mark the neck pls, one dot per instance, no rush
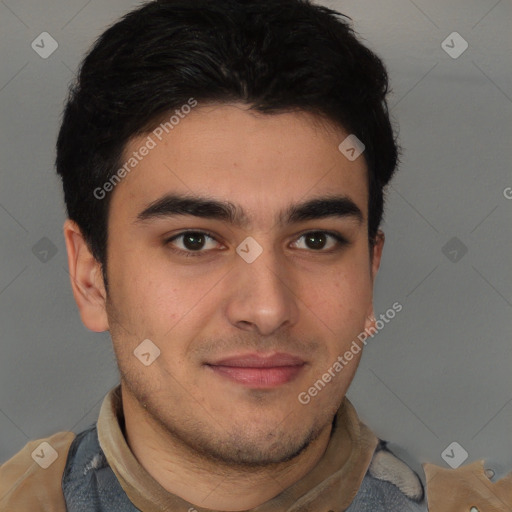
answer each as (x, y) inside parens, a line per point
(187, 474)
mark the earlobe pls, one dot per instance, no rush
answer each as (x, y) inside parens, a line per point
(369, 325)
(86, 279)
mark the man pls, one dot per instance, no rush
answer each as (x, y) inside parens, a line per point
(223, 166)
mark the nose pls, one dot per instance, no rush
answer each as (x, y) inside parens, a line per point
(262, 297)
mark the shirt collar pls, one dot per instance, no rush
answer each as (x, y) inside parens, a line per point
(331, 485)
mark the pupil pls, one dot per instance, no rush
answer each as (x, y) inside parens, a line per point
(189, 243)
(310, 240)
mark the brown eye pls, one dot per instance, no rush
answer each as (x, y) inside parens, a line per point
(192, 242)
(318, 240)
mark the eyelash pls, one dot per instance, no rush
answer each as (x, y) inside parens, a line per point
(194, 254)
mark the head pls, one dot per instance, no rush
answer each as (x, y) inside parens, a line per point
(212, 212)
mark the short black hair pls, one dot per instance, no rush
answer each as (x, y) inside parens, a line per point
(273, 55)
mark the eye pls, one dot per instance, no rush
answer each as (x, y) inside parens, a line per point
(317, 241)
(192, 242)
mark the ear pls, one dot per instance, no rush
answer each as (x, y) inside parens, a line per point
(86, 279)
(376, 248)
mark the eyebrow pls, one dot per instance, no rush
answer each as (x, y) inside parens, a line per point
(172, 205)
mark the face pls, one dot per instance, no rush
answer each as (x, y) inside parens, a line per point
(247, 310)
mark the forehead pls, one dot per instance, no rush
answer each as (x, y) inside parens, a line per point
(227, 152)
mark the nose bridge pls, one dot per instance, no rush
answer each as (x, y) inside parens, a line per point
(262, 266)
(263, 291)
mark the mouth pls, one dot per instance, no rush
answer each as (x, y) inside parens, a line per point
(259, 370)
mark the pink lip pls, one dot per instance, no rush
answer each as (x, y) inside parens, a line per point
(259, 370)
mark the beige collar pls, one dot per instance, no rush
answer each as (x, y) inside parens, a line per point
(331, 484)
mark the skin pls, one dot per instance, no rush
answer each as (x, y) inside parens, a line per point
(213, 442)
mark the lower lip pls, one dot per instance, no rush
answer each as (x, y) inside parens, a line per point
(259, 377)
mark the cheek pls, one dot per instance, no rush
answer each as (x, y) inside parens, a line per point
(143, 296)
(342, 298)
(163, 302)
(354, 293)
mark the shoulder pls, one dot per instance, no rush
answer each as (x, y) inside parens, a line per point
(31, 479)
(389, 484)
(467, 486)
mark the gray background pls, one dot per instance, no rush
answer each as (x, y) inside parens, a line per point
(437, 373)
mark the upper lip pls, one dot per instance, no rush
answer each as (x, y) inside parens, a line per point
(259, 360)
